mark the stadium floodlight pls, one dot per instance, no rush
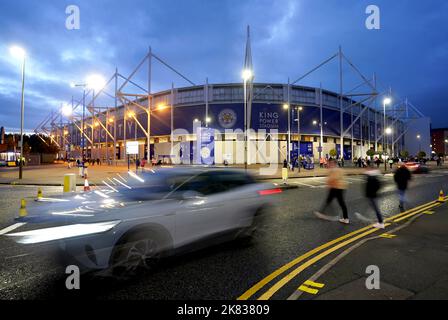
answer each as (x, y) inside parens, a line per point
(66, 110)
(247, 74)
(95, 82)
(17, 52)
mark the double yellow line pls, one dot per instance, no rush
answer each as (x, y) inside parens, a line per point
(329, 248)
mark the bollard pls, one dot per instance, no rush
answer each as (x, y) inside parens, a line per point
(86, 184)
(441, 196)
(39, 194)
(285, 175)
(69, 182)
(22, 210)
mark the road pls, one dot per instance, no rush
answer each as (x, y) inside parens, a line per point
(225, 271)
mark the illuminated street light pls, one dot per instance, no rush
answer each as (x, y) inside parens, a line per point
(20, 53)
(285, 106)
(387, 101)
(388, 131)
(418, 136)
(196, 120)
(131, 114)
(208, 120)
(314, 122)
(111, 120)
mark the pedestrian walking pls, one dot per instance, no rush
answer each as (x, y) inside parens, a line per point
(373, 185)
(402, 177)
(391, 163)
(336, 185)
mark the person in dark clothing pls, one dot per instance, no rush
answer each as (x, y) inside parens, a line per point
(373, 185)
(285, 163)
(402, 177)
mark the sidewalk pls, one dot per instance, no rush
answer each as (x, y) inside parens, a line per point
(413, 265)
(53, 175)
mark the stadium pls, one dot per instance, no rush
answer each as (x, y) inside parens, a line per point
(207, 123)
(176, 115)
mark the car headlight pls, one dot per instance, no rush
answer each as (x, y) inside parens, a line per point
(63, 232)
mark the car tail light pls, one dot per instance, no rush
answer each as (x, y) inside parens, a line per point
(269, 192)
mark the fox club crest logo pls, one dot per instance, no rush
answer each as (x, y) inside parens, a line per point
(227, 118)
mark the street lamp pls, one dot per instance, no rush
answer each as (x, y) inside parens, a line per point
(419, 143)
(19, 53)
(386, 101)
(299, 109)
(93, 82)
(286, 107)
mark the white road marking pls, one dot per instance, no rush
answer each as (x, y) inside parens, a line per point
(304, 184)
(13, 227)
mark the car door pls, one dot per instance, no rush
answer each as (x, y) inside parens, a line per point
(203, 213)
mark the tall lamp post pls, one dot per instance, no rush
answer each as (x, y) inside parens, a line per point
(20, 53)
(286, 107)
(247, 75)
(419, 143)
(387, 132)
(299, 109)
(93, 82)
(386, 101)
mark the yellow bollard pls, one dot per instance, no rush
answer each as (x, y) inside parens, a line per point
(39, 194)
(285, 175)
(441, 196)
(22, 210)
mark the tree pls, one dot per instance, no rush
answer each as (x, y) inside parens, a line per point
(404, 154)
(370, 152)
(333, 153)
(421, 155)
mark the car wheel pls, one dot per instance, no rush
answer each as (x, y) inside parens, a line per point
(136, 254)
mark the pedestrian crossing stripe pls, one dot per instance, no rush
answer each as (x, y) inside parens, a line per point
(388, 235)
(313, 284)
(308, 290)
(428, 212)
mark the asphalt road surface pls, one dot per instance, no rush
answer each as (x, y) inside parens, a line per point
(224, 271)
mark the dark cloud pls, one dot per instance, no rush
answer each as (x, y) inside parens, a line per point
(206, 39)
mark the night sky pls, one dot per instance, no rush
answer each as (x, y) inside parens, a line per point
(206, 38)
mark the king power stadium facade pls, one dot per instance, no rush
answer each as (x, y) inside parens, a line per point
(211, 119)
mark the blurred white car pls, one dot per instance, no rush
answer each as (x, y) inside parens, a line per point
(137, 219)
